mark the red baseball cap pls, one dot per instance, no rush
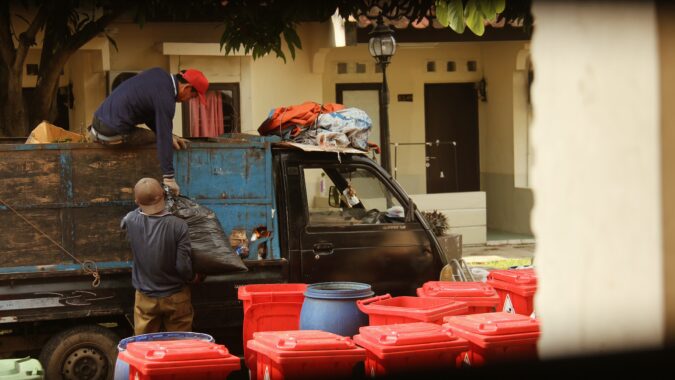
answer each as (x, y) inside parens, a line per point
(198, 81)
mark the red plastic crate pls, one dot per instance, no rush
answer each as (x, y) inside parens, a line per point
(269, 307)
(385, 310)
(516, 289)
(495, 337)
(178, 360)
(479, 297)
(306, 354)
(409, 347)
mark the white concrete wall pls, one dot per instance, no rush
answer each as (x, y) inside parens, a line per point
(596, 180)
(466, 213)
(501, 119)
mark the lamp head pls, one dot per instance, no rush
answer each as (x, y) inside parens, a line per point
(382, 44)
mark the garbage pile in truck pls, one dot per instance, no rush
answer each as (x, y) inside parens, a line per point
(328, 125)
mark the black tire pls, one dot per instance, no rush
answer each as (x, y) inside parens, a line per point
(82, 353)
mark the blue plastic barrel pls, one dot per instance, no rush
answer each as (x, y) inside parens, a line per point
(331, 306)
(122, 367)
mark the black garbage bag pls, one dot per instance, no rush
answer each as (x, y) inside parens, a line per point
(211, 252)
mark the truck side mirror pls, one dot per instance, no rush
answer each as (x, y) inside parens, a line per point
(410, 212)
(334, 197)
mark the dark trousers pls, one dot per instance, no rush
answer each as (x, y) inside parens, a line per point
(137, 136)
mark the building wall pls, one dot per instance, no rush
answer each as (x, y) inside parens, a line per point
(405, 75)
(508, 206)
(597, 177)
(264, 84)
(89, 87)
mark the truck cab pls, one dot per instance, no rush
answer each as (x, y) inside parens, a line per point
(331, 216)
(375, 240)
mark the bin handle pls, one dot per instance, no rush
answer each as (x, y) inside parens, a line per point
(372, 299)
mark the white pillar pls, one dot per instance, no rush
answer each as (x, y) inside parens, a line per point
(596, 177)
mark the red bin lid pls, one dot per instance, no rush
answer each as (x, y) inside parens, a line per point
(405, 334)
(302, 343)
(500, 323)
(457, 289)
(304, 340)
(417, 308)
(515, 276)
(168, 354)
(495, 328)
(406, 337)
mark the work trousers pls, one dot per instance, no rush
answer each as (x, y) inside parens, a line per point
(137, 137)
(174, 312)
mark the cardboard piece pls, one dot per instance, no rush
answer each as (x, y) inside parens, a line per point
(316, 148)
(46, 133)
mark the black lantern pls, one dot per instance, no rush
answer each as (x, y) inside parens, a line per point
(382, 47)
(382, 44)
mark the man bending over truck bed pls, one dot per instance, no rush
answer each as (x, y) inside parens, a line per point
(162, 267)
(148, 98)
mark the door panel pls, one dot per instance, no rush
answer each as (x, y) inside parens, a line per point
(368, 242)
(451, 114)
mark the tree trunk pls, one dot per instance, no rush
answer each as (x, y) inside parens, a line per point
(14, 118)
(45, 93)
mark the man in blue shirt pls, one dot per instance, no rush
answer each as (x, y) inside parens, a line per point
(162, 267)
(148, 98)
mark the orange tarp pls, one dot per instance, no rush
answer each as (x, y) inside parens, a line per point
(302, 115)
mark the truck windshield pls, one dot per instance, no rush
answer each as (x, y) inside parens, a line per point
(363, 198)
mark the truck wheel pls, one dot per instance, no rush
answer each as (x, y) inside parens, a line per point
(80, 353)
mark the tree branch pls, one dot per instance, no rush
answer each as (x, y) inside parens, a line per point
(90, 30)
(7, 51)
(27, 38)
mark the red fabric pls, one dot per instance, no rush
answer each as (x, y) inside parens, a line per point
(207, 120)
(302, 115)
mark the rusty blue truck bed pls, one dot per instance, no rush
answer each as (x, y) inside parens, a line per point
(77, 194)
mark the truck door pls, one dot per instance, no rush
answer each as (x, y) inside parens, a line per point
(361, 236)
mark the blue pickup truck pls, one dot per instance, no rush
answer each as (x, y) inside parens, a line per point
(65, 282)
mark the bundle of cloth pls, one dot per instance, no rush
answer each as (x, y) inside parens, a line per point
(328, 125)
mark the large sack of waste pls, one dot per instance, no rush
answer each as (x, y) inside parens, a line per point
(211, 252)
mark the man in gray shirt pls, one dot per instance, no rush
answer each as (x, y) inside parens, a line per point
(162, 268)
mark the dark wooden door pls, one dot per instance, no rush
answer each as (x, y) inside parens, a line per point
(451, 114)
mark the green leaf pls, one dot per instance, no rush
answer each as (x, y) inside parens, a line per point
(292, 40)
(487, 8)
(491, 8)
(500, 5)
(456, 16)
(474, 18)
(442, 12)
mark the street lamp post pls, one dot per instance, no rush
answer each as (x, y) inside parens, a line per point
(382, 47)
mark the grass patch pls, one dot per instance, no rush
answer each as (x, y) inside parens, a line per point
(501, 264)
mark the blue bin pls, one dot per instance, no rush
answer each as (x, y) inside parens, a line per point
(122, 367)
(331, 306)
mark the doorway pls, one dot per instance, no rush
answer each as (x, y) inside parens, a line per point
(451, 126)
(365, 96)
(218, 116)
